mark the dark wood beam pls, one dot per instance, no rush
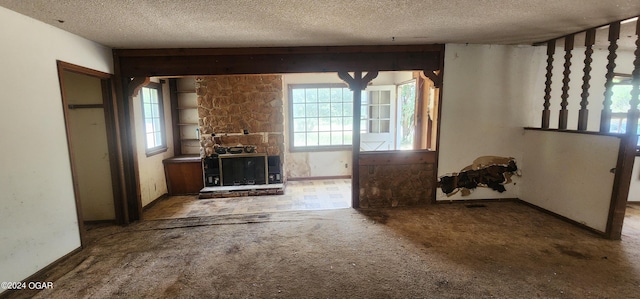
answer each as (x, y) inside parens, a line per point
(357, 84)
(182, 62)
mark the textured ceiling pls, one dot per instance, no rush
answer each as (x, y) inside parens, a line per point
(269, 23)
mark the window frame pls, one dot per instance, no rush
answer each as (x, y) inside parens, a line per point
(162, 147)
(290, 120)
(622, 116)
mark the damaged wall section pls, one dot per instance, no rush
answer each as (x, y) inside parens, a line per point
(393, 179)
(488, 171)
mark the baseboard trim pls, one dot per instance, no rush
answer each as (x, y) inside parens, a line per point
(155, 201)
(37, 276)
(472, 201)
(563, 218)
(309, 178)
(111, 221)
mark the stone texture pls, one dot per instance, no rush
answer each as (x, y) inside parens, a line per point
(228, 105)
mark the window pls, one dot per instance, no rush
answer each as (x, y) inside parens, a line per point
(619, 108)
(153, 119)
(321, 116)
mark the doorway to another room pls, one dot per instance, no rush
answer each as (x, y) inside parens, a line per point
(88, 111)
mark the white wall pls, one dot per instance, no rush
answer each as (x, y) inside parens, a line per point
(151, 176)
(488, 96)
(569, 174)
(324, 163)
(38, 221)
(634, 189)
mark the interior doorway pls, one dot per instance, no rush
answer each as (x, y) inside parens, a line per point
(86, 100)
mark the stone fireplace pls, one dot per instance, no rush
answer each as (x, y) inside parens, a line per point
(230, 106)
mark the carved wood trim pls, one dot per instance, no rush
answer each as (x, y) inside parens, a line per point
(435, 76)
(583, 115)
(136, 84)
(605, 117)
(564, 113)
(551, 49)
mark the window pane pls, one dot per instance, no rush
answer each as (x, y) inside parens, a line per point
(336, 124)
(364, 111)
(297, 95)
(336, 109)
(148, 125)
(324, 124)
(312, 110)
(336, 95)
(324, 95)
(311, 95)
(347, 109)
(299, 125)
(156, 125)
(324, 110)
(145, 95)
(347, 95)
(298, 110)
(375, 97)
(324, 138)
(375, 112)
(348, 137)
(150, 140)
(384, 126)
(312, 124)
(363, 127)
(147, 110)
(385, 111)
(299, 139)
(336, 138)
(385, 97)
(312, 139)
(153, 96)
(154, 110)
(158, 138)
(347, 123)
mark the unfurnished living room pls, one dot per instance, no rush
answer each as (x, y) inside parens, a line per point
(320, 149)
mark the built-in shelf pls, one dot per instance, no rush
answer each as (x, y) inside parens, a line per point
(186, 91)
(187, 124)
(189, 139)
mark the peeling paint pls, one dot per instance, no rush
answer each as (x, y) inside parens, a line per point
(487, 171)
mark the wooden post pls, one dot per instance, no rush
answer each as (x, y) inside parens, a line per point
(551, 49)
(605, 116)
(583, 115)
(564, 113)
(357, 84)
(634, 113)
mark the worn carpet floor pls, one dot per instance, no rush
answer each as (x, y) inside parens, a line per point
(494, 250)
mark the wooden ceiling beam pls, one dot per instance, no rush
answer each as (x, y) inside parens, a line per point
(184, 62)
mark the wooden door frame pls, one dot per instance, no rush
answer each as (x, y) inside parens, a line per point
(111, 132)
(134, 66)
